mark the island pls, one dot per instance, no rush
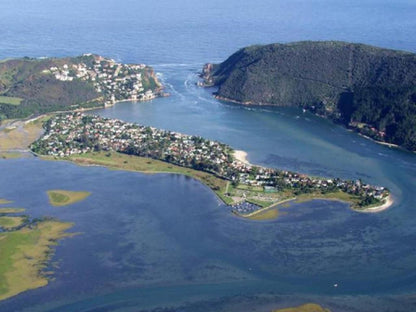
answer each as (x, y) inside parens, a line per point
(368, 89)
(58, 198)
(30, 87)
(25, 248)
(250, 190)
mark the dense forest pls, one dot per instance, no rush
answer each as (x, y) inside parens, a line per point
(370, 89)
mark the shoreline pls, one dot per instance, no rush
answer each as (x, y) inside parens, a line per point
(241, 156)
(384, 206)
(391, 145)
(387, 204)
(254, 213)
(250, 103)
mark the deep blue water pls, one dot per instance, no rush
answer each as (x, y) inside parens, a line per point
(158, 241)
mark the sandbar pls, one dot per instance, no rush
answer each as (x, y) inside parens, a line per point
(241, 156)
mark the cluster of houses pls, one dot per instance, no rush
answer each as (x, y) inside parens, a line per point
(368, 130)
(76, 133)
(116, 81)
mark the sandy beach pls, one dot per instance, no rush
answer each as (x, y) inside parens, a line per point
(241, 156)
(386, 205)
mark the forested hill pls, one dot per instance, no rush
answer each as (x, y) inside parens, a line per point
(367, 88)
(31, 86)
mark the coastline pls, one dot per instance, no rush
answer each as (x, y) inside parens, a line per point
(254, 213)
(377, 141)
(241, 156)
(249, 103)
(388, 202)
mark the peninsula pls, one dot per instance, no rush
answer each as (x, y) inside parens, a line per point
(368, 89)
(30, 87)
(91, 139)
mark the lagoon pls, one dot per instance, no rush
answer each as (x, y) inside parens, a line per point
(166, 241)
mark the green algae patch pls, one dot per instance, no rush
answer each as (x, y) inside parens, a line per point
(59, 198)
(309, 307)
(24, 254)
(11, 210)
(8, 223)
(4, 201)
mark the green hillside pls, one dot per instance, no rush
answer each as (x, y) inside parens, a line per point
(370, 89)
(34, 86)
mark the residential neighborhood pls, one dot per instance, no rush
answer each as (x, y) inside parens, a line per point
(116, 81)
(76, 133)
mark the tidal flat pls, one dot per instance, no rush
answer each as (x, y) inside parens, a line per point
(25, 253)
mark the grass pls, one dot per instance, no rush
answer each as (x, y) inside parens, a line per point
(121, 161)
(250, 188)
(9, 223)
(11, 210)
(10, 100)
(23, 256)
(260, 203)
(340, 196)
(59, 198)
(309, 307)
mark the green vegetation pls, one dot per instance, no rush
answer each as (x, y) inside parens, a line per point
(120, 161)
(309, 307)
(10, 100)
(24, 254)
(63, 198)
(11, 210)
(41, 92)
(249, 187)
(37, 86)
(8, 223)
(4, 201)
(348, 83)
(354, 200)
(259, 202)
